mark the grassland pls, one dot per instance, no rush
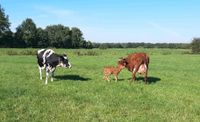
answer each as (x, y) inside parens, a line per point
(80, 93)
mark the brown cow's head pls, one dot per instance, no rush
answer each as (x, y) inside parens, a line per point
(122, 62)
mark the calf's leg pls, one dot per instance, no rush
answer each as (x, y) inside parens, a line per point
(116, 78)
(107, 78)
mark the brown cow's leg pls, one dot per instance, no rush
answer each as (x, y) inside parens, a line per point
(145, 76)
(146, 73)
(134, 73)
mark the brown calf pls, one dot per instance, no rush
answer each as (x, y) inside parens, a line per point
(107, 71)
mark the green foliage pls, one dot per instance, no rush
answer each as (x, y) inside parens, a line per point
(86, 53)
(81, 94)
(4, 22)
(26, 33)
(104, 46)
(89, 45)
(20, 52)
(6, 36)
(12, 52)
(76, 37)
(195, 45)
(139, 45)
(42, 38)
(58, 35)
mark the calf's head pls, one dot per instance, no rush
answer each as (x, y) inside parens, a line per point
(64, 61)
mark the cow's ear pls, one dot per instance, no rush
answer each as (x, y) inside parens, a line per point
(64, 55)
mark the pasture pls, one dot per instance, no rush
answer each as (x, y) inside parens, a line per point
(80, 93)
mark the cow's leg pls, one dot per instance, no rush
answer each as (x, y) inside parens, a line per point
(48, 73)
(145, 76)
(145, 72)
(134, 73)
(52, 75)
(40, 71)
(47, 76)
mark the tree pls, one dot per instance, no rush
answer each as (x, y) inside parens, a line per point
(195, 45)
(89, 45)
(26, 33)
(76, 37)
(4, 21)
(5, 33)
(104, 46)
(59, 36)
(42, 38)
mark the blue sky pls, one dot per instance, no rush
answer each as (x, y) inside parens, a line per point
(169, 21)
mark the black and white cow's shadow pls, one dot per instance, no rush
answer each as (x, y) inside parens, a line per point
(71, 77)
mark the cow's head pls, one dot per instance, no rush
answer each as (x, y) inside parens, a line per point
(64, 61)
(122, 62)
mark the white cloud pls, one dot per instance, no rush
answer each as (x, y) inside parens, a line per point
(164, 30)
(49, 11)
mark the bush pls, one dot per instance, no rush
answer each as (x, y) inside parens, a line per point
(87, 53)
(92, 53)
(28, 52)
(11, 52)
(103, 46)
(21, 52)
(166, 53)
(195, 45)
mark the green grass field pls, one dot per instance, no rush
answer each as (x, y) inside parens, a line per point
(80, 93)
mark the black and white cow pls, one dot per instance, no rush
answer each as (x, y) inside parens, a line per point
(48, 60)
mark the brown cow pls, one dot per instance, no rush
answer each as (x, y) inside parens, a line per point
(137, 62)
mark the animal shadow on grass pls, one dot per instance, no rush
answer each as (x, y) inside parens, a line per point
(150, 79)
(71, 77)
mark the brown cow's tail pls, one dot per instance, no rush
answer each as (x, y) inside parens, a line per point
(147, 61)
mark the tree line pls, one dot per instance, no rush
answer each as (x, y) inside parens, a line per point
(29, 35)
(142, 44)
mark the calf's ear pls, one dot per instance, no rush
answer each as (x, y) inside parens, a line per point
(125, 61)
(121, 58)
